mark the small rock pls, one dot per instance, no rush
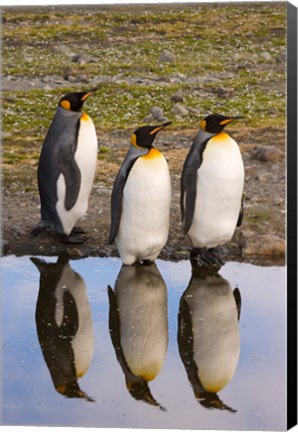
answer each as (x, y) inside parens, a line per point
(225, 92)
(176, 78)
(166, 57)
(82, 79)
(264, 244)
(68, 73)
(177, 97)
(247, 232)
(263, 176)
(75, 253)
(104, 191)
(192, 110)
(81, 58)
(180, 110)
(180, 76)
(266, 55)
(266, 154)
(156, 112)
(148, 119)
(20, 231)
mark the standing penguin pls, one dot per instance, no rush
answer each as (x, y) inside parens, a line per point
(139, 326)
(140, 207)
(66, 168)
(211, 189)
(64, 325)
(208, 335)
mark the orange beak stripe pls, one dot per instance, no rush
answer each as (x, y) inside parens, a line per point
(227, 121)
(154, 131)
(87, 95)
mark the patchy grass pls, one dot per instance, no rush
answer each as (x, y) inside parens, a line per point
(220, 46)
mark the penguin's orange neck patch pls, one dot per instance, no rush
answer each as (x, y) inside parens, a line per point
(220, 137)
(152, 154)
(85, 117)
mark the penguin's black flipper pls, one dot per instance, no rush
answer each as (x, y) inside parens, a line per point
(188, 184)
(240, 217)
(237, 297)
(185, 339)
(117, 196)
(114, 327)
(69, 168)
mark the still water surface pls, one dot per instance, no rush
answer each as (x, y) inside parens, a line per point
(89, 343)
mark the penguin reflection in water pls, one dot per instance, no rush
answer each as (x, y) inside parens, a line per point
(140, 206)
(66, 168)
(211, 190)
(64, 325)
(208, 335)
(139, 327)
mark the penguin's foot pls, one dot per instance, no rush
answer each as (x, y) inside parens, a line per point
(217, 255)
(42, 226)
(38, 230)
(77, 230)
(72, 239)
(207, 257)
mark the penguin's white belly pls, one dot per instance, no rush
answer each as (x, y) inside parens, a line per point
(220, 181)
(83, 341)
(216, 340)
(144, 327)
(85, 157)
(144, 224)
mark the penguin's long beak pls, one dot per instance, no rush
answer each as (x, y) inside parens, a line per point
(89, 93)
(159, 128)
(230, 120)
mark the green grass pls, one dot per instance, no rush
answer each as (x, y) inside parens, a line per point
(221, 45)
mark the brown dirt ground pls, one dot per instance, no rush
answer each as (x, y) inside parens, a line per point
(264, 205)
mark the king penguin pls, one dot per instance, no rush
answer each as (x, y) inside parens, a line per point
(212, 184)
(139, 326)
(66, 168)
(208, 335)
(141, 197)
(64, 325)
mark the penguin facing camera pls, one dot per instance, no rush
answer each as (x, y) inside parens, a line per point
(208, 335)
(64, 325)
(139, 327)
(212, 184)
(141, 196)
(66, 169)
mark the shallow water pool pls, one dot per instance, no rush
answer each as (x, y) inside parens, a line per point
(162, 347)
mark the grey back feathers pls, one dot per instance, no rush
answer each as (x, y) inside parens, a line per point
(57, 156)
(189, 177)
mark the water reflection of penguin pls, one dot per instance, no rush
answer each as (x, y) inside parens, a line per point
(64, 325)
(208, 335)
(139, 327)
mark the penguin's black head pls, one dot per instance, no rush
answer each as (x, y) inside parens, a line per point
(75, 101)
(215, 123)
(145, 135)
(139, 389)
